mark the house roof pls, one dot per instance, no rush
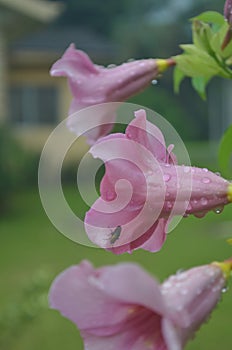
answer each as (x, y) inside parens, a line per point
(39, 10)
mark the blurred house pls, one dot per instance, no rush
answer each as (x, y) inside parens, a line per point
(220, 107)
(31, 100)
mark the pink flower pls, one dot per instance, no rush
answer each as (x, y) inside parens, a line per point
(228, 17)
(143, 188)
(91, 84)
(122, 307)
(228, 11)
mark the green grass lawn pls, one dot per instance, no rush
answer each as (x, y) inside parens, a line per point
(29, 243)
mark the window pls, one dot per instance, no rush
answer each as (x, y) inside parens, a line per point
(31, 105)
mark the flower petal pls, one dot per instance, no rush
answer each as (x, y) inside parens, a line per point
(191, 295)
(79, 295)
(147, 134)
(158, 237)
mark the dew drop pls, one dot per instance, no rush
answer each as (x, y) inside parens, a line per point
(181, 276)
(186, 169)
(111, 66)
(167, 285)
(131, 60)
(154, 82)
(200, 214)
(218, 210)
(169, 205)
(166, 177)
(224, 289)
(204, 201)
(206, 180)
(110, 195)
(205, 170)
(217, 173)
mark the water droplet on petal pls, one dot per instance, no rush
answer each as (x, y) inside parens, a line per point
(187, 169)
(166, 285)
(218, 210)
(204, 201)
(205, 170)
(154, 82)
(189, 207)
(217, 173)
(166, 177)
(224, 289)
(206, 180)
(200, 214)
(111, 66)
(110, 195)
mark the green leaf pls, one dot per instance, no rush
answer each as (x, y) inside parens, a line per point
(225, 154)
(210, 17)
(202, 34)
(178, 76)
(217, 40)
(196, 62)
(199, 84)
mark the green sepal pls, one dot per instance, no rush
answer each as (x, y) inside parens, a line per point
(178, 77)
(211, 17)
(199, 84)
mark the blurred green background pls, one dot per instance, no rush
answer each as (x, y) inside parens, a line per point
(32, 251)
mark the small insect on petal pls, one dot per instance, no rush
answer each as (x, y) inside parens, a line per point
(115, 234)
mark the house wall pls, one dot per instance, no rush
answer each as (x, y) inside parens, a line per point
(220, 107)
(35, 135)
(3, 77)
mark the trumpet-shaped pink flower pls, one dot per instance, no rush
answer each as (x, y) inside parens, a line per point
(122, 307)
(143, 188)
(91, 84)
(228, 11)
(228, 17)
